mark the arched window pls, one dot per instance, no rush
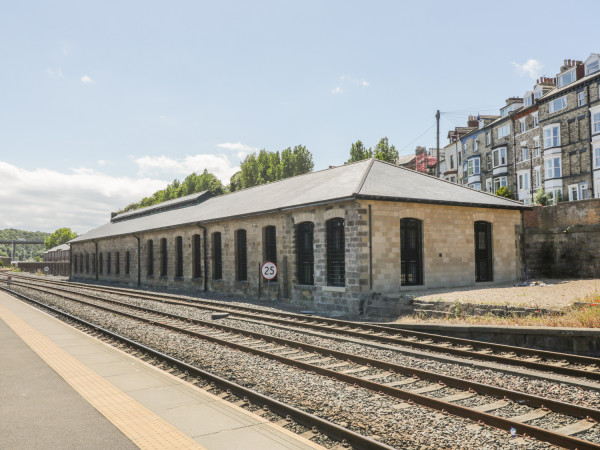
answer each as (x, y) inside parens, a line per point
(483, 251)
(164, 261)
(217, 256)
(305, 254)
(150, 258)
(241, 255)
(179, 257)
(270, 245)
(336, 253)
(411, 252)
(196, 254)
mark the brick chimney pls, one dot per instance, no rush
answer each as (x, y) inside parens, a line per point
(472, 122)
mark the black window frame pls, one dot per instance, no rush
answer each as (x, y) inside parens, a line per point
(127, 262)
(484, 257)
(164, 258)
(305, 253)
(336, 252)
(108, 262)
(100, 262)
(179, 257)
(217, 255)
(150, 258)
(270, 246)
(117, 263)
(411, 252)
(196, 256)
(241, 255)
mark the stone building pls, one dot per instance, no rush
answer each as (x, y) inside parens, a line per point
(58, 253)
(338, 236)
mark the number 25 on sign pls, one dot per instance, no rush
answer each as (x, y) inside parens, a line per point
(269, 270)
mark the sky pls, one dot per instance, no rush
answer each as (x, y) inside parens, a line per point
(103, 103)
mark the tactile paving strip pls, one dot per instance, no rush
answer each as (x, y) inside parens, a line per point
(142, 426)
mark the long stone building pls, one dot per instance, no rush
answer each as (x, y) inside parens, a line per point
(339, 237)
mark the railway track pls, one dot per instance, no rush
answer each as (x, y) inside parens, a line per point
(362, 372)
(545, 361)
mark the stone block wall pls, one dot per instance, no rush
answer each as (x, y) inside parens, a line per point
(563, 240)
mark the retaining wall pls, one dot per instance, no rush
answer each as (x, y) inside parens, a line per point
(60, 268)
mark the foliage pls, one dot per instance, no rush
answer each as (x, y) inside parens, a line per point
(22, 252)
(503, 191)
(382, 151)
(385, 152)
(541, 197)
(358, 152)
(266, 167)
(192, 184)
(59, 237)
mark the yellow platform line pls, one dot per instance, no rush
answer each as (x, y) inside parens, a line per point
(142, 426)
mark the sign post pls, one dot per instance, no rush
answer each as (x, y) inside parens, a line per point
(269, 272)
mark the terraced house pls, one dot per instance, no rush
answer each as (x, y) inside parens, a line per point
(548, 138)
(342, 238)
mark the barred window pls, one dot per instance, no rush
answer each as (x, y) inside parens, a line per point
(179, 256)
(217, 256)
(196, 265)
(163, 257)
(270, 244)
(127, 261)
(305, 253)
(241, 259)
(150, 258)
(336, 253)
(117, 263)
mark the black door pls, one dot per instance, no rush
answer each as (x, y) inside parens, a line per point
(483, 251)
(411, 252)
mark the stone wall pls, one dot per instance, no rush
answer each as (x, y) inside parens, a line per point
(60, 268)
(563, 240)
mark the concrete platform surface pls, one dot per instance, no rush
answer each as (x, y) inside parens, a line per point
(63, 389)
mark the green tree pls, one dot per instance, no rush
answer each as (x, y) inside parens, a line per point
(235, 182)
(503, 192)
(541, 197)
(385, 152)
(59, 237)
(358, 152)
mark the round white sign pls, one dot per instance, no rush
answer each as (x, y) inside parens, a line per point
(269, 270)
(46, 269)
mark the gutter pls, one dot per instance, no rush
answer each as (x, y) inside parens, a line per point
(591, 147)
(205, 257)
(139, 260)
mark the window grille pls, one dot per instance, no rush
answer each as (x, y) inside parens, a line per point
(179, 256)
(336, 253)
(217, 257)
(411, 252)
(270, 243)
(100, 261)
(305, 253)
(108, 262)
(163, 257)
(196, 264)
(117, 263)
(150, 255)
(241, 256)
(127, 260)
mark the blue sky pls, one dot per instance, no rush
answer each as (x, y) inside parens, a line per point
(105, 102)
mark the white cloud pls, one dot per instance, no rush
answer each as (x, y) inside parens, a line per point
(104, 162)
(349, 82)
(365, 83)
(219, 165)
(86, 80)
(532, 68)
(242, 149)
(337, 90)
(53, 72)
(82, 199)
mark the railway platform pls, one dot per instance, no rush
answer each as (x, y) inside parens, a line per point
(60, 388)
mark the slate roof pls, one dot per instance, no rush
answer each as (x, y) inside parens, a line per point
(368, 179)
(58, 248)
(169, 204)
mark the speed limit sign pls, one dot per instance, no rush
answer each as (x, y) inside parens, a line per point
(269, 270)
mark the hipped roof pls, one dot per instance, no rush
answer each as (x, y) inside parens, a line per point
(368, 179)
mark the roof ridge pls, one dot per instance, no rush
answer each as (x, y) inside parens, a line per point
(364, 177)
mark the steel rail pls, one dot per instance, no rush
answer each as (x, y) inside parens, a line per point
(304, 418)
(314, 323)
(440, 405)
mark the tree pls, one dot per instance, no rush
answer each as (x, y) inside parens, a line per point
(59, 237)
(541, 197)
(503, 192)
(385, 152)
(358, 152)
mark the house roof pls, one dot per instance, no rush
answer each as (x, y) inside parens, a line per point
(371, 179)
(169, 204)
(60, 247)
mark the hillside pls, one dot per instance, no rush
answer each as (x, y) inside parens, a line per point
(23, 252)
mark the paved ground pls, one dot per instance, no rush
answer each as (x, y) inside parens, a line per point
(552, 293)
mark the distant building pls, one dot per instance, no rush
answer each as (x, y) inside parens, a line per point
(58, 253)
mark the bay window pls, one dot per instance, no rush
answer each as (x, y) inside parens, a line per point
(553, 167)
(552, 136)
